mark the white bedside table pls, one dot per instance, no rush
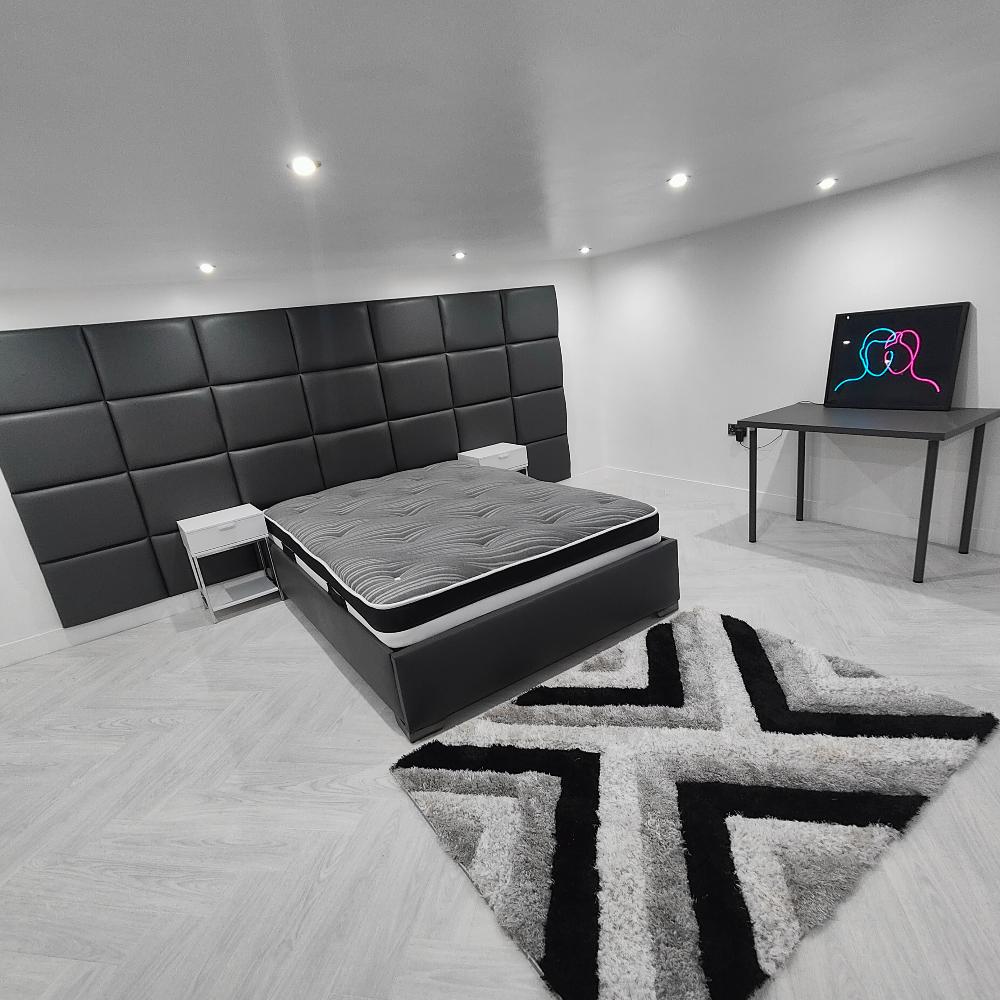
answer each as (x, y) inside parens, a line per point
(220, 531)
(513, 457)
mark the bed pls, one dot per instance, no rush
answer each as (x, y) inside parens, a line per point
(444, 585)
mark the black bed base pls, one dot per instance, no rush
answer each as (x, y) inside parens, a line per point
(430, 682)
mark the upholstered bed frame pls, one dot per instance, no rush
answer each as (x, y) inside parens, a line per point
(110, 433)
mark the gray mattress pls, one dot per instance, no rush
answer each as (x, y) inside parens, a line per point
(413, 546)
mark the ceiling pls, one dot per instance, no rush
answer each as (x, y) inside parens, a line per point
(139, 139)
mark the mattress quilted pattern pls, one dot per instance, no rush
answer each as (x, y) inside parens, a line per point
(405, 536)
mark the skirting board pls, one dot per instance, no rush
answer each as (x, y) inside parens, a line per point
(63, 638)
(55, 639)
(887, 522)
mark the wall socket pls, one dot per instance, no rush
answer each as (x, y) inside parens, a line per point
(739, 433)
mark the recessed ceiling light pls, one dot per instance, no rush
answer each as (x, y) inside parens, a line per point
(304, 166)
(826, 183)
(459, 255)
(206, 268)
(585, 250)
(678, 180)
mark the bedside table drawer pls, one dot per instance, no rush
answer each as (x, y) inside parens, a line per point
(496, 456)
(516, 458)
(226, 534)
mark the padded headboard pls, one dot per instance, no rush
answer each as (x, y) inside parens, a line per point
(110, 433)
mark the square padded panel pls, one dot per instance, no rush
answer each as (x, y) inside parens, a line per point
(238, 347)
(485, 423)
(277, 472)
(52, 447)
(66, 521)
(104, 583)
(361, 453)
(351, 397)
(157, 430)
(334, 336)
(419, 385)
(184, 489)
(40, 369)
(406, 328)
(471, 320)
(530, 313)
(256, 413)
(540, 415)
(176, 567)
(423, 440)
(549, 459)
(535, 365)
(478, 376)
(139, 359)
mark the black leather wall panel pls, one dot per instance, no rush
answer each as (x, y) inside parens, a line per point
(471, 320)
(530, 313)
(241, 346)
(479, 375)
(277, 471)
(256, 413)
(361, 453)
(540, 415)
(162, 429)
(334, 336)
(111, 433)
(338, 400)
(41, 369)
(52, 447)
(140, 359)
(104, 583)
(417, 385)
(485, 423)
(423, 440)
(549, 459)
(535, 366)
(65, 521)
(406, 328)
(169, 493)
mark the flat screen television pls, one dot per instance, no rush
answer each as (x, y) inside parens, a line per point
(897, 359)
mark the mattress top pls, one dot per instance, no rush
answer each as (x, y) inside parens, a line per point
(410, 535)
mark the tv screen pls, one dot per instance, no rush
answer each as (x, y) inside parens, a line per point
(897, 359)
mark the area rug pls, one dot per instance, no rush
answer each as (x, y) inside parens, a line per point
(669, 818)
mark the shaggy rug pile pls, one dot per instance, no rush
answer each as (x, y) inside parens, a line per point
(669, 818)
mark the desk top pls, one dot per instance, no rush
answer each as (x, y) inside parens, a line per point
(925, 425)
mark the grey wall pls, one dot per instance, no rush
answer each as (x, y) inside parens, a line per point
(109, 433)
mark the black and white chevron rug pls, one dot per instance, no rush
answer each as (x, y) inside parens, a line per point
(669, 818)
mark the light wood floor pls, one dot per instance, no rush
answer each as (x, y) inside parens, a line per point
(197, 811)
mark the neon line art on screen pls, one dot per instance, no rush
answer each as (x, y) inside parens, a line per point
(899, 347)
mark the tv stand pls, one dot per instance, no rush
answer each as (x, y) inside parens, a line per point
(932, 426)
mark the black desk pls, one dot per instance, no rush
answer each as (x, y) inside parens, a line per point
(932, 427)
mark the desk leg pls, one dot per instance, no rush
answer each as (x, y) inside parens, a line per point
(970, 487)
(753, 484)
(800, 485)
(927, 498)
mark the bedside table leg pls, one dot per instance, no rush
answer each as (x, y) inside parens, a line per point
(202, 589)
(274, 573)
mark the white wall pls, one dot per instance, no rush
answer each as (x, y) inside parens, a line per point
(697, 332)
(28, 621)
